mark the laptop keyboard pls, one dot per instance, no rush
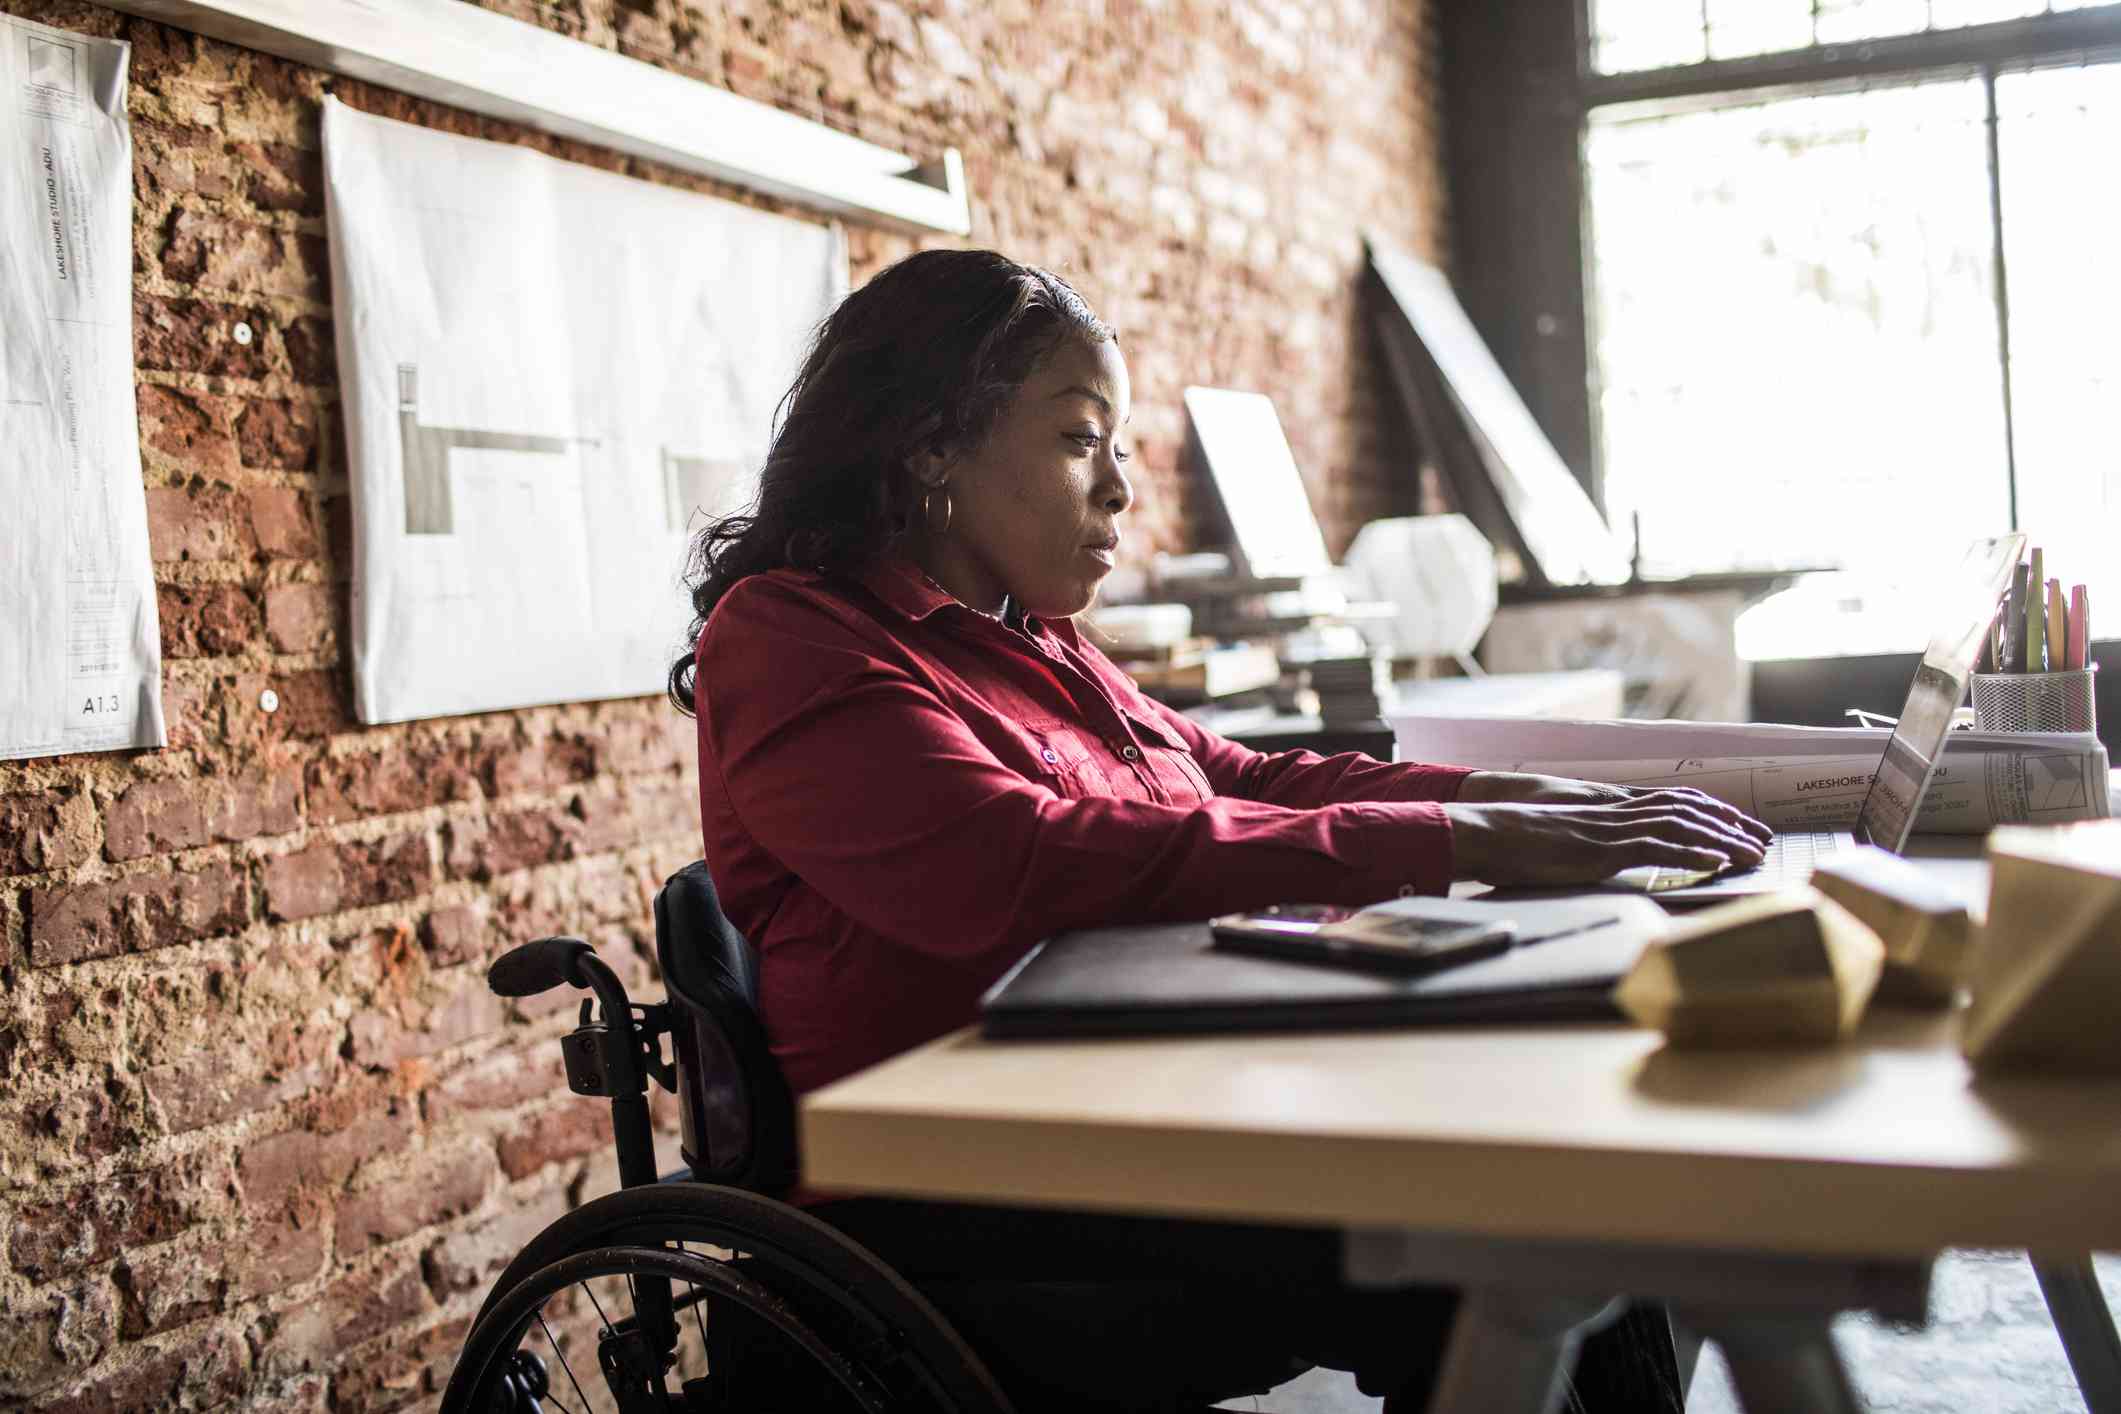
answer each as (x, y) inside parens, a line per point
(1789, 861)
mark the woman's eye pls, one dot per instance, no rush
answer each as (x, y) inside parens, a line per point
(1091, 441)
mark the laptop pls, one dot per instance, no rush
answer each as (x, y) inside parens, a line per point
(1895, 794)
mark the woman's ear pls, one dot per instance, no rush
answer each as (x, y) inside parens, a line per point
(931, 468)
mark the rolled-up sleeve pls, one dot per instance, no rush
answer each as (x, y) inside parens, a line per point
(855, 775)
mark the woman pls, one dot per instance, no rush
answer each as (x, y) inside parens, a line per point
(912, 768)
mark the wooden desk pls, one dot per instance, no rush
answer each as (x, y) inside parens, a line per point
(1544, 1169)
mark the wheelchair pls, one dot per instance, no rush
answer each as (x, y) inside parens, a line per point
(702, 1290)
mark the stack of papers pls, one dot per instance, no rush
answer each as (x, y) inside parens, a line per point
(1789, 778)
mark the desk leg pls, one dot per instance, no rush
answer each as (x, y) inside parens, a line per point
(2086, 1326)
(1782, 1361)
(1512, 1350)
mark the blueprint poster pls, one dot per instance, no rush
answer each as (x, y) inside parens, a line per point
(80, 644)
(549, 374)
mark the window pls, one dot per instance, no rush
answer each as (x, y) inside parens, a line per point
(1846, 303)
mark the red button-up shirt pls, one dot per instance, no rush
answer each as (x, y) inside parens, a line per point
(900, 796)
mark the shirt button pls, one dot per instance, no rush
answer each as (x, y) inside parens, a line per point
(1052, 756)
(1132, 753)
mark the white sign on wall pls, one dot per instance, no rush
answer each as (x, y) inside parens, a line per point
(80, 641)
(549, 375)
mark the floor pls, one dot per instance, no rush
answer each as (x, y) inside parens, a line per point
(1988, 1346)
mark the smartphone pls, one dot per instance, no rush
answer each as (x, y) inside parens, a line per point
(1394, 941)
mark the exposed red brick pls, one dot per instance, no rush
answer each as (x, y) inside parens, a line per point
(327, 878)
(501, 843)
(206, 1088)
(207, 524)
(197, 336)
(454, 935)
(442, 1188)
(312, 704)
(281, 522)
(206, 620)
(367, 784)
(378, 1381)
(280, 177)
(90, 1121)
(141, 1379)
(366, 1304)
(631, 744)
(299, 618)
(467, 1260)
(497, 1083)
(245, 807)
(51, 1335)
(189, 712)
(279, 1250)
(541, 762)
(193, 427)
(382, 1039)
(277, 433)
(70, 923)
(170, 1285)
(566, 1131)
(220, 252)
(273, 1170)
(178, 161)
(156, 817)
(86, 1224)
(52, 829)
(311, 355)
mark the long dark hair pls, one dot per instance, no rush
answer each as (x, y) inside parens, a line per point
(922, 358)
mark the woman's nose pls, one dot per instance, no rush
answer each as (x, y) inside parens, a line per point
(1115, 492)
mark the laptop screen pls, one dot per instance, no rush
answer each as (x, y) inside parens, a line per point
(1939, 687)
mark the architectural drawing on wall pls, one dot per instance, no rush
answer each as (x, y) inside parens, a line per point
(429, 508)
(80, 639)
(549, 374)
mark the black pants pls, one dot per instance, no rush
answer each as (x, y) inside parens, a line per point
(1070, 1309)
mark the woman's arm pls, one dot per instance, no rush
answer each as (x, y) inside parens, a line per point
(861, 781)
(1304, 779)
(1507, 826)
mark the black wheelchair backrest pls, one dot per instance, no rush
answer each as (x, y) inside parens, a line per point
(736, 1117)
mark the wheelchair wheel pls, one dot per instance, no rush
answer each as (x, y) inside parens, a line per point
(685, 1296)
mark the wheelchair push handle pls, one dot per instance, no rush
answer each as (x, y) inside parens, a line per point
(539, 967)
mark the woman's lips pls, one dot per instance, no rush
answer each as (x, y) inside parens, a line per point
(1100, 553)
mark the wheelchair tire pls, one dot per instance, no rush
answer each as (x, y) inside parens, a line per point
(822, 1292)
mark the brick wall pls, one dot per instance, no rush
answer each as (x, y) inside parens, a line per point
(264, 1136)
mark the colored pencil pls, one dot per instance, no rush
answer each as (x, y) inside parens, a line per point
(2036, 615)
(2057, 628)
(2080, 628)
(2014, 623)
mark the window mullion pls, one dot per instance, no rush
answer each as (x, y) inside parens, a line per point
(2003, 293)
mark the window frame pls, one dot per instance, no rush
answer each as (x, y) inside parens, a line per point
(1519, 92)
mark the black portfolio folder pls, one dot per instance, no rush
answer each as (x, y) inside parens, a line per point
(1160, 979)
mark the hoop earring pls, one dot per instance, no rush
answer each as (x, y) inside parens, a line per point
(928, 510)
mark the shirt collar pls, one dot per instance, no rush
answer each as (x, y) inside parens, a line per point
(905, 588)
(902, 586)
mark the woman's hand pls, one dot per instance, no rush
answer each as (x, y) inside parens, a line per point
(1508, 828)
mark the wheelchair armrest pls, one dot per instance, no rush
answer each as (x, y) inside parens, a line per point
(539, 966)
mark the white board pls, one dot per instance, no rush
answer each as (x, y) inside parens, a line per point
(80, 641)
(550, 375)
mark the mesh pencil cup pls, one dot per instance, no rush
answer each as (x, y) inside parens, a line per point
(2036, 702)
